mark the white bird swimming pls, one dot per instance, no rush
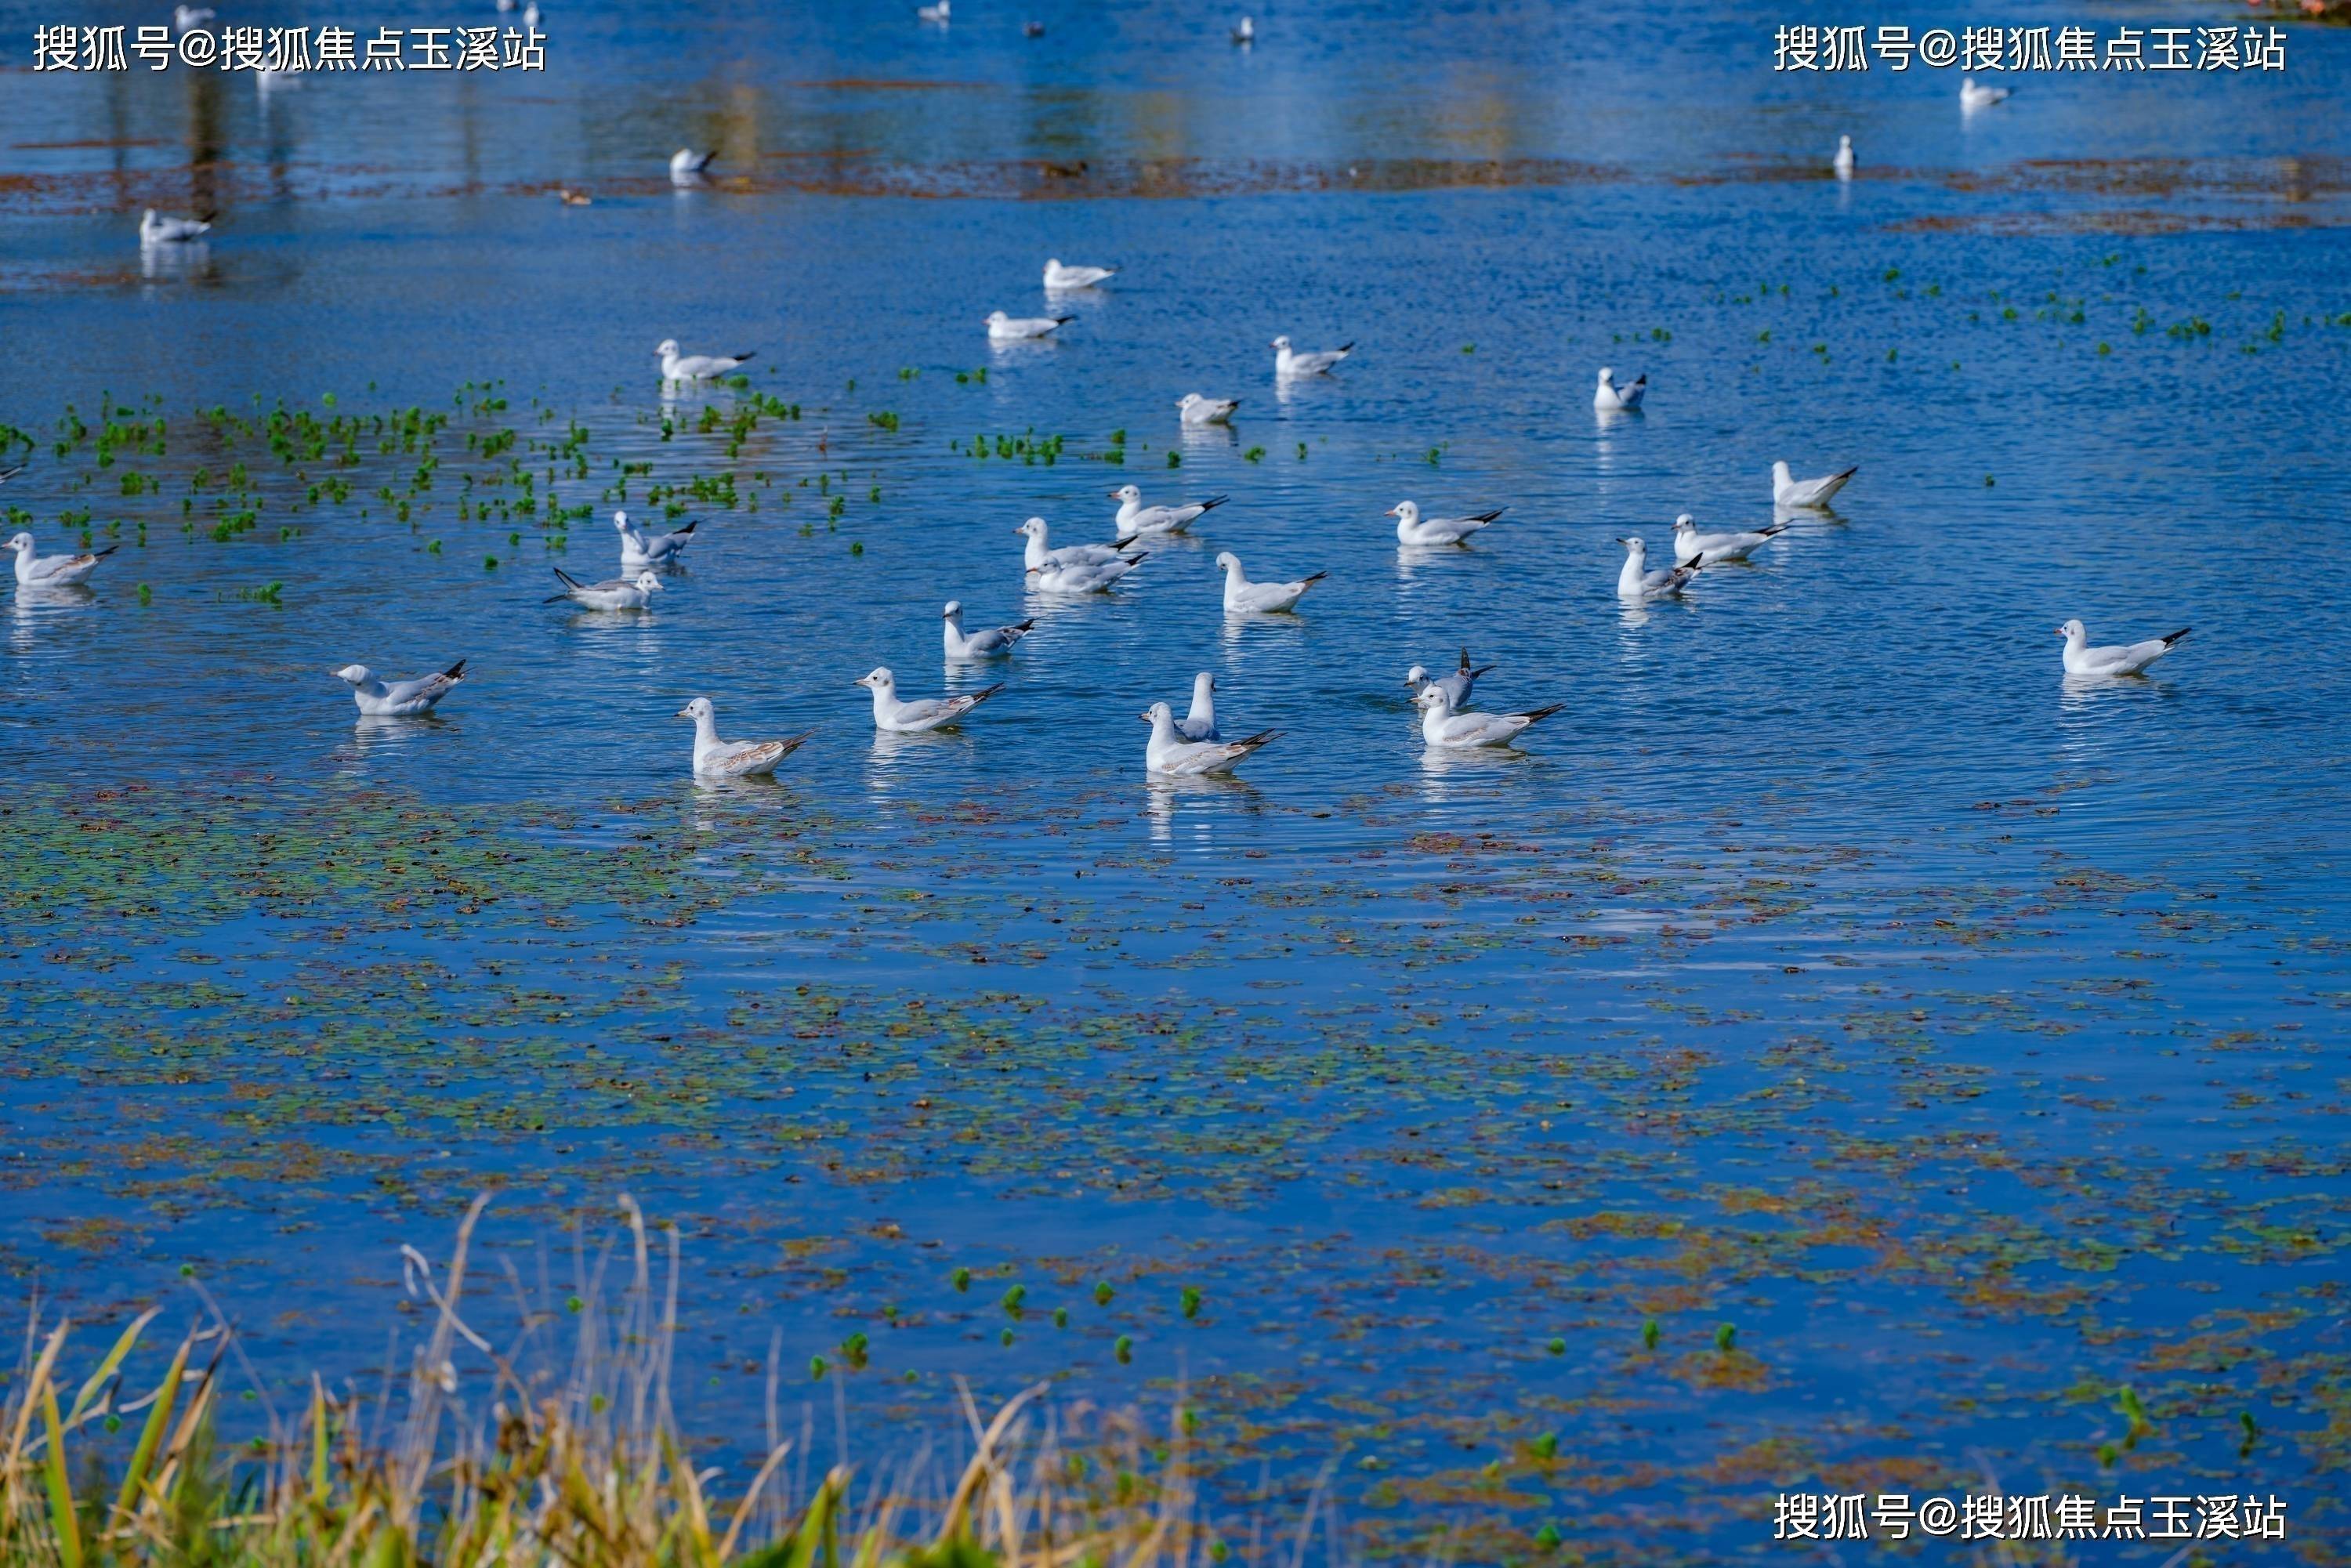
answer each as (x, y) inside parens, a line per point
(614, 593)
(677, 367)
(1003, 328)
(986, 643)
(1135, 519)
(1243, 597)
(186, 18)
(54, 570)
(1201, 724)
(1040, 556)
(942, 12)
(1638, 585)
(2119, 659)
(1198, 410)
(1288, 361)
(399, 699)
(1787, 490)
(1974, 97)
(1057, 276)
(1459, 686)
(1843, 162)
(156, 229)
(716, 758)
(686, 165)
(640, 548)
(1084, 576)
(1412, 528)
(1441, 726)
(923, 713)
(1169, 753)
(1608, 397)
(1245, 30)
(1710, 550)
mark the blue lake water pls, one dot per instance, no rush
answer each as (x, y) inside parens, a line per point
(1970, 1043)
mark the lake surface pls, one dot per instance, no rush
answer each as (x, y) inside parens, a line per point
(1970, 1044)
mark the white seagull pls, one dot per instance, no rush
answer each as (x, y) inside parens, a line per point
(1198, 410)
(1243, 597)
(985, 643)
(677, 367)
(716, 758)
(1843, 162)
(614, 593)
(1974, 97)
(923, 713)
(1441, 726)
(1636, 584)
(686, 165)
(640, 548)
(1039, 556)
(399, 699)
(1135, 519)
(1288, 361)
(1245, 30)
(1412, 528)
(154, 228)
(1003, 328)
(939, 12)
(1057, 276)
(186, 18)
(1170, 754)
(1787, 490)
(1710, 550)
(1610, 398)
(1085, 576)
(54, 570)
(1457, 685)
(1201, 724)
(2121, 659)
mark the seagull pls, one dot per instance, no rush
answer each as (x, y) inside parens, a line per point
(156, 229)
(1710, 550)
(1040, 556)
(1169, 753)
(401, 699)
(1243, 597)
(572, 198)
(716, 758)
(1609, 397)
(2081, 659)
(53, 570)
(937, 13)
(531, 14)
(614, 593)
(1441, 726)
(1974, 97)
(1288, 361)
(1198, 410)
(985, 643)
(1788, 491)
(1843, 162)
(1457, 686)
(640, 549)
(1412, 528)
(925, 713)
(1060, 276)
(1245, 31)
(1003, 328)
(1083, 575)
(677, 367)
(186, 18)
(1135, 519)
(1201, 724)
(686, 165)
(1638, 585)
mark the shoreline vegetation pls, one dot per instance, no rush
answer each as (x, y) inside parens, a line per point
(503, 1463)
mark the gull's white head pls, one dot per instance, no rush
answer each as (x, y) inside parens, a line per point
(1634, 546)
(1053, 264)
(147, 217)
(1406, 512)
(953, 609)
(649, 582)
(1780, 475)
(1967, 84)
(1432, 695)
(1127, 493)
(1158, 713)
(668, 349)
(22, 544)
(995, 317)
(1416, 676)
(1844, 143)
(879, 678)
(1281, 344)
(2073, 631)
(699, 708)
(620, 523)
(355, 675)
(1685, 523)
(1607, 376)
(1203, 684)
(1034, 528)
(1187, 400)
(1227, 562)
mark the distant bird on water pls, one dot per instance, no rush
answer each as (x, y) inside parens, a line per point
(1458, 686)
(938, 12)
(716, 758)
(1003, 328)
(1288, 361)
(1198, 410)
(987, 643)
(1787, 490)
(686, 165)
(156, 229)
(613, 593)
(1060, 276)
(1243, 597)
(1636, 584)
(186, 18)
(1412, 528)
(397, 699)
(1245, 30)
(52, 571)
(1843, 162)
(1710, 549)
(1974, 97)
(639, 548)
(677, 367)
(1610, 398)
(2118, 659)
